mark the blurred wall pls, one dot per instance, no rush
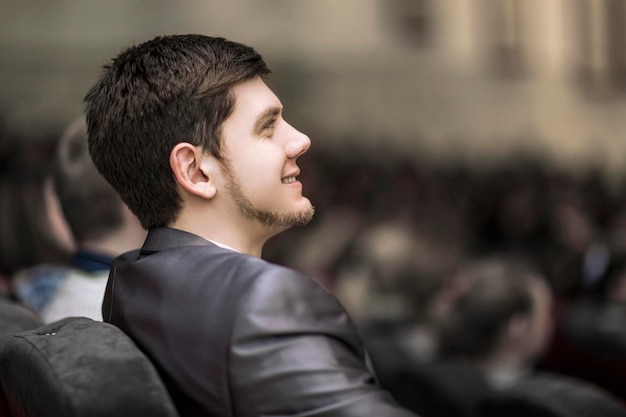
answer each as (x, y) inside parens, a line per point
(446, 80)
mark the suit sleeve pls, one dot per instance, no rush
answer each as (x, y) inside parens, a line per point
(295, 352)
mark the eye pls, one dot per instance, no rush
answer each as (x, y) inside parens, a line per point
(271, 124)
(268, 128)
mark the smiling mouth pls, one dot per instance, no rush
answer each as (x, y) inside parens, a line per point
(288, 180)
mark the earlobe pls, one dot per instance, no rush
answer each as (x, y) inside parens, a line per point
(186, 161)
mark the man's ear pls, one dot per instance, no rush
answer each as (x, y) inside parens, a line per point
(194, 176)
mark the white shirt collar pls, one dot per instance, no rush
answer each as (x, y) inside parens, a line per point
(221, 245)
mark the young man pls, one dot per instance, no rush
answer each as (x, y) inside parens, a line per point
(187, 131)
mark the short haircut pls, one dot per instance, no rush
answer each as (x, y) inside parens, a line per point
(157, 94)
(92, 208)
(488, 292)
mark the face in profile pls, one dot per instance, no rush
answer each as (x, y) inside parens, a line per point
(261, 150)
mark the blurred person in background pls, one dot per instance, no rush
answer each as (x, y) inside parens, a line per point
(389, 281)
(102, 227)
(590, 337)
(492, 322)
(488, 322)
(32, 227)
(495, 313)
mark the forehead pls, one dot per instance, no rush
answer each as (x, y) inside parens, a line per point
(252, 98)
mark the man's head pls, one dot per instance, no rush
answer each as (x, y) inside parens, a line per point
(92, 208)
(495, 310)
(154, 96)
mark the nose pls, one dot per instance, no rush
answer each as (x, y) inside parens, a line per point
(298, 144)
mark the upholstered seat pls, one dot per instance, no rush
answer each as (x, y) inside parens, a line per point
(439, 388)
(548, 395)
(14, 318)
(80, 367)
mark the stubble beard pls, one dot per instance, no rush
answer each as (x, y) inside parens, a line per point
(266, 217)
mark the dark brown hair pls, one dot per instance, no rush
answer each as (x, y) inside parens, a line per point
(153, 96)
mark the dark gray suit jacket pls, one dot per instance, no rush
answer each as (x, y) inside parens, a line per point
(234, 335)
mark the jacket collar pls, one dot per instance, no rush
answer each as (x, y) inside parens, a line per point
(164, 238)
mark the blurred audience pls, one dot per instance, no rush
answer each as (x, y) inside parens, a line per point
(102, 226)
(487, 322)
(32, 227)
(590, 339)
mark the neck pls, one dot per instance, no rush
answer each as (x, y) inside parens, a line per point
(240, 239)
(502, 374)
(505, 363)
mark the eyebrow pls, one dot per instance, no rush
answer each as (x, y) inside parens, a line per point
(266, 115)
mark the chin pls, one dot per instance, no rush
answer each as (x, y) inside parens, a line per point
(305, 216)
(299, 217)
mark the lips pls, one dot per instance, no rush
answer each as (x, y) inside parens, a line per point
(291, 177)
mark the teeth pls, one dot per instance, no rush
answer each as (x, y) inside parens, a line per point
(289, 180)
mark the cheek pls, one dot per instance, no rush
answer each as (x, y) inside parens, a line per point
(261, 164)
(258, 181)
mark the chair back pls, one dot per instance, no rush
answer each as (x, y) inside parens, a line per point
(14, 317)
(80, 367)
(439, 388)
(551, 395)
